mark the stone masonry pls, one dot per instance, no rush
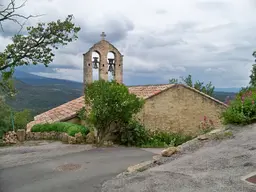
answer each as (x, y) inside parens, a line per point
(103, 48)
(180, 109)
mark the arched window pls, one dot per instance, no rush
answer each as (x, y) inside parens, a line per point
(95, 65)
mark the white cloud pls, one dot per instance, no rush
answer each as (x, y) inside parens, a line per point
(206, 38)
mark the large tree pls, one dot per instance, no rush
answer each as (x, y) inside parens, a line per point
(36, 47)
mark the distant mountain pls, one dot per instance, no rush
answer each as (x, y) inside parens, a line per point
(40, 94)
(230, 90)
(39, 80)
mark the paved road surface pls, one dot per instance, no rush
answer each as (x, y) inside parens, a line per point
(216, 167)
(41, 174)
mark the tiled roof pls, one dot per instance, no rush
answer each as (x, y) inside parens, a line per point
(69, 110)
(147, 91)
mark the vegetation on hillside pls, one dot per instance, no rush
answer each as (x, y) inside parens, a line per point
(207, 89)
(39, 99)
(10, 119)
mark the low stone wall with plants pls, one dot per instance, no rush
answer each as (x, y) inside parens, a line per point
(64, 137)
(61, 131)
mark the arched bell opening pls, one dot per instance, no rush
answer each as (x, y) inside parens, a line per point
(95, 65)
(111, 65)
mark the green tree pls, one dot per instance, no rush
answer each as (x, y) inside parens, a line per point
(5, 120)
(253, 73)
(111, 107)
(22, 118)
(174, 81)
(36, 47)
(253, 76)
(207, 89)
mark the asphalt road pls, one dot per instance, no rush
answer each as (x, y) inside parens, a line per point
(217, 166)
(90, 169)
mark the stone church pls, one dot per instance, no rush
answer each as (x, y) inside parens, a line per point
(168, 107)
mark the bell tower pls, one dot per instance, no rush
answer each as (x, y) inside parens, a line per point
(102, 63)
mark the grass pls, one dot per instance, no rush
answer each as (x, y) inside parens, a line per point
(160, 139)
(64, 127)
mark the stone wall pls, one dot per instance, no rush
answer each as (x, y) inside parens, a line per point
(179, 109)
(12, 137)
(20, 136)
(64, 137)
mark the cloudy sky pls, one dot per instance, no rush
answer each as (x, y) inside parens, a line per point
(212, 40)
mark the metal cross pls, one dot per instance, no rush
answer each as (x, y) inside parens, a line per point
(103, 35)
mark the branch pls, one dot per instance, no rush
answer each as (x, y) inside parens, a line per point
(9, 14)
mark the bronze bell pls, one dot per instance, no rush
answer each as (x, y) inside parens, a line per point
(95, 62)
(110, 68)
(111, 65)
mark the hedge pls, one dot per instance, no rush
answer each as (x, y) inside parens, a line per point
(69, 128)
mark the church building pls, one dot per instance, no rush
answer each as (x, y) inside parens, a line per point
(168, 107)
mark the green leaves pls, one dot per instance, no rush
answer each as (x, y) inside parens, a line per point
(37, 46)
(111, 105)
(242, 110)
(253, 76)
(65, 127)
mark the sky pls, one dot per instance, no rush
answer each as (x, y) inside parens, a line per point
(213, 40)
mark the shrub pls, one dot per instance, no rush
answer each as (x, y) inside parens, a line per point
(111, 107)
(242, 110)
(134, 134)
(69, 128)
(5, 120)
(21, 119)
(164, 139)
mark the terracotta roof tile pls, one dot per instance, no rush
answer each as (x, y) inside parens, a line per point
(69, 110)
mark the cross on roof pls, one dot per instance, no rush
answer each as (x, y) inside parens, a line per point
(103, 35)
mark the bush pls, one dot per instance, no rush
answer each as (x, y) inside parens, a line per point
(5, 120)
(135, 134)
(242, 110)
(164, 139)
(69, 128)
(21, 119)
(111, 107)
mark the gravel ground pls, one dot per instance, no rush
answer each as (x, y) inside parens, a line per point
(215, 166)
(35, 151)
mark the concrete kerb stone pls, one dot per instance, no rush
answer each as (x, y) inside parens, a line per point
(191, 145)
